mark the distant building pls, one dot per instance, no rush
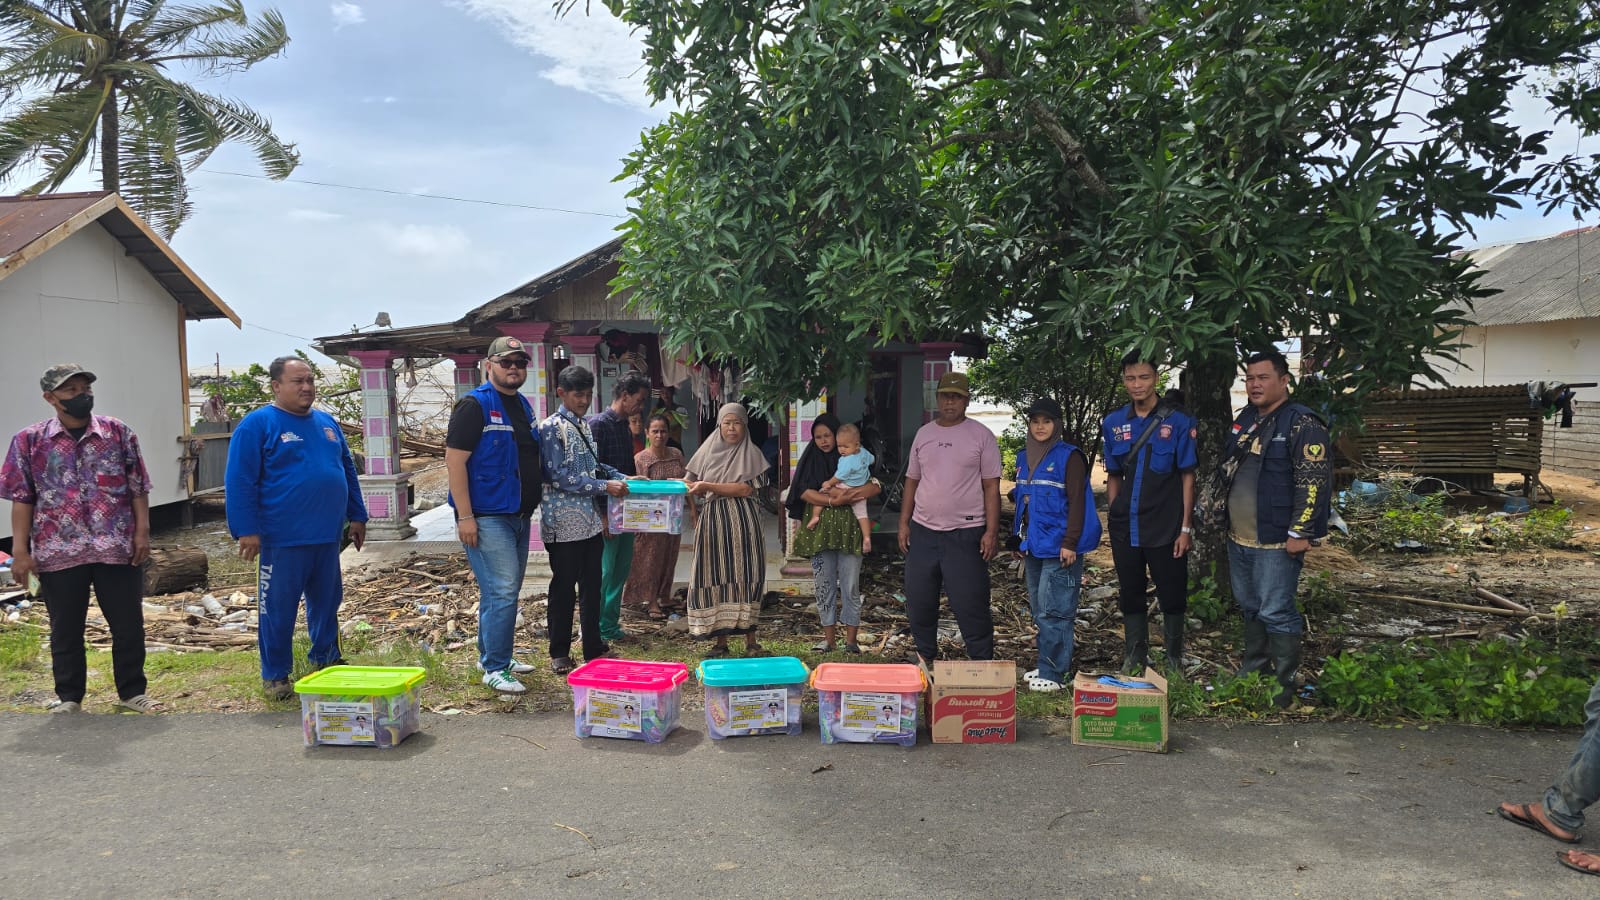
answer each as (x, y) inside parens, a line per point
(1543, 324)
(83, 279)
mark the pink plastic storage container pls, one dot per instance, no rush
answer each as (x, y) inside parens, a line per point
(630, 699)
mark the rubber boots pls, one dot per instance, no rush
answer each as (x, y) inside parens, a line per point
(1172, 636)
(1255, 656)
(1135, 642)
(1285, 650)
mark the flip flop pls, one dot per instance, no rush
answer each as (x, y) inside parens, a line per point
(1565, 858)
(655, 615)
(1522, 814)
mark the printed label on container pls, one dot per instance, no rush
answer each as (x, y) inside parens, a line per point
(758, 709)
(615, 709)
(869, 714)
(345, 723)
(647, 515)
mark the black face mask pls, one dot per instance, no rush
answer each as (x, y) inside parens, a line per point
(78, 407)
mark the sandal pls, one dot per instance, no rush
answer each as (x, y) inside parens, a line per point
(1565, 858)
(655, 614)
(1522, 814)
(717, 653)
(754, 651)
(1043, 685)
(821, 647)
(140, 704)
(561, 665)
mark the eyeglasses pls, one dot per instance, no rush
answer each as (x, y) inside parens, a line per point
(517, 363)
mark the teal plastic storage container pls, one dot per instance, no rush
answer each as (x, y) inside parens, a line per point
(753, 696)
(652, 507)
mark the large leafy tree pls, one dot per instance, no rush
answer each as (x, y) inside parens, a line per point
(87, 79)
(1203, 178)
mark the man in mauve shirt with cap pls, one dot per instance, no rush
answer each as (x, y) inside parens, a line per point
(80, 519)
(950, 523)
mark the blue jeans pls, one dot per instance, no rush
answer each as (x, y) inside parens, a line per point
(1264, 583)
(498, 562)
(838, 581)
(1579, 786)
(1053, 599)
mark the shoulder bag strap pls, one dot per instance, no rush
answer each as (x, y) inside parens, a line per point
(1158, 415)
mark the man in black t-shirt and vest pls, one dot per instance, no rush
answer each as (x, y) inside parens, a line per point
(496, 476)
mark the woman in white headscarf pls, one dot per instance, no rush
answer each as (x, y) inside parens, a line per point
(730, 560)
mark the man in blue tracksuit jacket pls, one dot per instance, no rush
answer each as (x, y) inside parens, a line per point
(291, 487)
(1056, 525)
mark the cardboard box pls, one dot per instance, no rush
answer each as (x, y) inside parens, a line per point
(973, 702)
(1105, 715)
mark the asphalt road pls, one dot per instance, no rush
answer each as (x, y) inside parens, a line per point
(514, 805)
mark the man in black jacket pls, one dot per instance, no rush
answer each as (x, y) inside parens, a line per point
(1281, 475)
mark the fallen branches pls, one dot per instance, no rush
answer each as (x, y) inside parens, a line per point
(1464, 607)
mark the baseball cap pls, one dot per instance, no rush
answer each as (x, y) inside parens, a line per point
(954, 383)
(1044, 406)
(57, 375)
(503, 346)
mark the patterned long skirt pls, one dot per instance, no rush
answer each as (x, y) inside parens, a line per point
(730, 569)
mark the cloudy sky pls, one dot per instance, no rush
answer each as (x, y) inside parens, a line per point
(480, 99)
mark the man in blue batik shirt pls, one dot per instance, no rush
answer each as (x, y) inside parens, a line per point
(572, 517)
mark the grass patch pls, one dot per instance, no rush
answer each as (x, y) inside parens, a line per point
(1492, 683)
(19, 648)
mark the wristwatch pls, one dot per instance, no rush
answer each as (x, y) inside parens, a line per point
(1186, 530)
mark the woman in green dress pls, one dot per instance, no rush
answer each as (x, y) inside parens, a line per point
(834, 544)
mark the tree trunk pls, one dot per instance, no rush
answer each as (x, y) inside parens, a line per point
(173, 570)
(110, 148)
(1207, 387)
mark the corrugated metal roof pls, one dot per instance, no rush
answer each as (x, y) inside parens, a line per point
(522, 299)
(24, 220)
(1548, 280)
(31, 225)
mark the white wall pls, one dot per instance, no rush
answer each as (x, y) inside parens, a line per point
(1566, 351)
(86, 301)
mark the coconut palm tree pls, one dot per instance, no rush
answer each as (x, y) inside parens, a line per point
(80, 78)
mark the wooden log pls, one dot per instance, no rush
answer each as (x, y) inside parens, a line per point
(1497, 600)
(176, 569)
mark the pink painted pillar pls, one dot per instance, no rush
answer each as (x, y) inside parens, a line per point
(468, 374)
(383, 487)
(536, 387)
(935, 365)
